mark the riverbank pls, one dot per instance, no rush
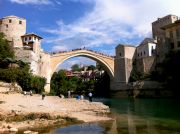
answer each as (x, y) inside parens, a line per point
(24, 111)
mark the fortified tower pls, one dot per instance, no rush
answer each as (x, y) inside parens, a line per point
(13, 27)
(123, 65)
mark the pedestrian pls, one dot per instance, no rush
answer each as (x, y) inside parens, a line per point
(82, 97)
(90, 96)
(69, 94)
(30, 92)
(43, 95)
(24, 93)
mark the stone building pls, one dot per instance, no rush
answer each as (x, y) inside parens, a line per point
(13, 27)
(172, 35)
(157, 32)
(27, 46)
(32, 41)
(145, 56)
(146, 48)
(159, 35)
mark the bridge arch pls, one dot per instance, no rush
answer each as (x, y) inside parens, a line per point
(58, 58)
(106, 61)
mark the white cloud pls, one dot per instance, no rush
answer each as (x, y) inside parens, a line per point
(82, 61)
(59, 48)
(112, 22)
(33, 2)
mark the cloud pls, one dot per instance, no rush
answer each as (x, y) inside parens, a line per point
(111, 22)
(81, 61)
(59, 48)
(33, 2)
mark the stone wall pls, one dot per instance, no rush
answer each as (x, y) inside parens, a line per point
(123, 66)
(30, 57)
(145, 65)
(45, 69)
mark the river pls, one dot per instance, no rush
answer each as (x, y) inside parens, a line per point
(132, 116)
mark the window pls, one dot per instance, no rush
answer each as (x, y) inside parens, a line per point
(178, 43)
(0, 22)
(34, 38)
(171, 34)
(20, 22)
(25, 38)
(29, 38)
(6, 25)
(119, 54)
(138, 55)
(141, 53)
(144, 53)
(10, 20)
(178, 32)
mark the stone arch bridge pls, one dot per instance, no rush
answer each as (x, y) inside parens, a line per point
(57, 58)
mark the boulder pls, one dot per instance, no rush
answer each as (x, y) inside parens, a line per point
(13, 129)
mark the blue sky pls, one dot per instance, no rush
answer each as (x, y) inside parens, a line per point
(99, 25)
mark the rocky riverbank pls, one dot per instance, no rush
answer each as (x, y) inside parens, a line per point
(18, 111)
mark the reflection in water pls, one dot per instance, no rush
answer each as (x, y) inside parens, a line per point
(113, 129)
(139, 116)
(87, 128)
(147, 116)
(131, 125)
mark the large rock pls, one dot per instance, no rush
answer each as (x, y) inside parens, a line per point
(13, 129)
(9, 87)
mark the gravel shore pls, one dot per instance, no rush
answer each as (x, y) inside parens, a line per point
(52, 107)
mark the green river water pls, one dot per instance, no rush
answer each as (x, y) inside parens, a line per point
(132, 116)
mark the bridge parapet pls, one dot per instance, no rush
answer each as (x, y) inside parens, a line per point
(82, 49)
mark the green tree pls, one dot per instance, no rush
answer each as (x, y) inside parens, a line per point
(6, 51)
(75, 67)
(91, 67)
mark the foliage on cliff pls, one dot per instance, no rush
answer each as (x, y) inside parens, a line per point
(168, 71)
(13, 71)
(6, 50)
(135, 74)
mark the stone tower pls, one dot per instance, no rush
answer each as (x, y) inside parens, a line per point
(159, 35)
(13, 27)
(123, 66)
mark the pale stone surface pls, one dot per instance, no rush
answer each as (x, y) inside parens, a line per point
(13, 129)
(9, 87)
(18, 104)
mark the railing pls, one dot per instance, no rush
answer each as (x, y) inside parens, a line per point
(77, 49)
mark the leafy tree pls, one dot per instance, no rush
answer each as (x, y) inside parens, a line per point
(5, 48)
(91, 67)
(102, 85)
(135, 74)
(75, 67)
